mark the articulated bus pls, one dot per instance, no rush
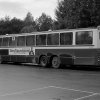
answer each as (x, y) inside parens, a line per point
(52, 48)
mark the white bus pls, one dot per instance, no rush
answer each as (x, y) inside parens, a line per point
(52, 48)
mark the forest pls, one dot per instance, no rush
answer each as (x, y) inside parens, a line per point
(69, 14)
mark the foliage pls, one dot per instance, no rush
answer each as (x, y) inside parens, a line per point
(77, 13)
(16, 25)
(29, 19)
(29, 24)
(28, 29)
(69, 14)
(44, 22)
(8, 26)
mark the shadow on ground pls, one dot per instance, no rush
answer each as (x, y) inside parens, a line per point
(64, 67)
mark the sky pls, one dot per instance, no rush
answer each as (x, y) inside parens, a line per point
(19, 8)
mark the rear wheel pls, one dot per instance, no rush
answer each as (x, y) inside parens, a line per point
(56, 62)
(43, 61)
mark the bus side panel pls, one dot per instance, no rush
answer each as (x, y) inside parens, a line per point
(29, 59)
(84, 57)
(66, 55)
(4, 51)
(4, 55)
(97, 60)
(5, 58)
(71, 56)
(13, 58)
(21, 58)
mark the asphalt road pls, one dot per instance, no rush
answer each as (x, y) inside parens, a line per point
(19, 82)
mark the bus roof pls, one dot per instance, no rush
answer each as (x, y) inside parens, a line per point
(48, 32)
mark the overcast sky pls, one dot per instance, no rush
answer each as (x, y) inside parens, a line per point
(19, 8)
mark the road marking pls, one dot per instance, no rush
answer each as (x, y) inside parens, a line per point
(91, 93)
(27, 91)
(74, 90)
(87, 96)
(22, 92)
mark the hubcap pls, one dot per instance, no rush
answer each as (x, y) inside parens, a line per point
(55, 62)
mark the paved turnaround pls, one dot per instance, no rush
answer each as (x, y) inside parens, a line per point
(18, 82)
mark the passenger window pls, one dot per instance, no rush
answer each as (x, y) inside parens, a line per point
(0, 41)
(41, 39)
(21, 41)
(84, 37)
(12, 41)
(66, 38)
(30, 40)
(53, 39)
(5, 41)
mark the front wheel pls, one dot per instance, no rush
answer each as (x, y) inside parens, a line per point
(43, 61)
(56, 62)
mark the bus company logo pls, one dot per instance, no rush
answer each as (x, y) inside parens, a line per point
(19, 51)
(31, 53)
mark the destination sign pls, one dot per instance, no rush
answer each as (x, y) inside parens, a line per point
(19, 51)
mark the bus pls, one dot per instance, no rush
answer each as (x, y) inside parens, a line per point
(52, 48)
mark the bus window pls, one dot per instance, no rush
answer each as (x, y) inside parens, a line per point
(21, 41)
(66, 38)
(12, 41)
(0, 41)
(84, 37)
(30, 40)
(41, 39)
(5, 41)
(53, 39)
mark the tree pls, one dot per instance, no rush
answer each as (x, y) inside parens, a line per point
(66, 14)
(29, 19)
(28, 29)
(44, 22)
(77, 13)
(16, 25)
(89, 15)
(29, 24)
(10, 26)
(4, 25)
(55, 25)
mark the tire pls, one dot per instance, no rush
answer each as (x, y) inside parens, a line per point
(56, 62)
(43, 61)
